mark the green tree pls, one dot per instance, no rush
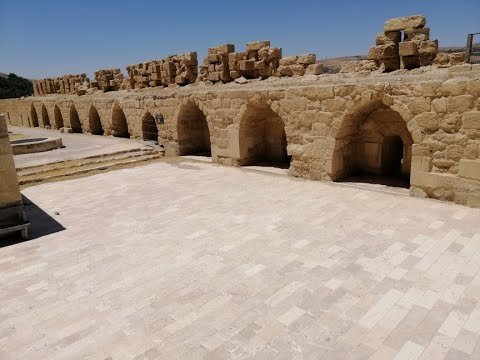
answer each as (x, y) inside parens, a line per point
(14, 86)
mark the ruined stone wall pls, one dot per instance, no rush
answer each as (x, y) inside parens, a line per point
(334, 124)
(9, 188)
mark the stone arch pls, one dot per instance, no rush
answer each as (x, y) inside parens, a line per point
(45, 117)
(262, 137)
(75, 123)
(373, 140)
(149, 127)
(193, 133)
(57, 117)
(94, 122)
(119, 122)
(34, 116)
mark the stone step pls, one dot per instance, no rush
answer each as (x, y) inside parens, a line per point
(37, 170)
(30, 167)
(59, 174)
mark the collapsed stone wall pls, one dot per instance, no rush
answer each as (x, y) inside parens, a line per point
(404, 44)
(107, 80)
(332, 126)
(67, 84)
(174, 69)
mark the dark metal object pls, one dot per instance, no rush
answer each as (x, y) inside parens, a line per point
(469, 49)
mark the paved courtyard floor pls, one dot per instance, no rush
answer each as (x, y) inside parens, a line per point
(189, 260)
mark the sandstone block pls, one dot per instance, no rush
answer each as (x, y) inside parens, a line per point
(405, 22)
(374, 53)
(408, 49)
(389, 37)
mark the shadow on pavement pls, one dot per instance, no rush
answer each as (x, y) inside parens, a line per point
(41, 224)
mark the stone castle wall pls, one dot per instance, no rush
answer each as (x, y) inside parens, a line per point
(333, 125)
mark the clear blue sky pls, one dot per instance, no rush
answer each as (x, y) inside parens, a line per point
(51, 38)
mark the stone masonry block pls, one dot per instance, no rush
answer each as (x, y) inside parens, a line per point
(471, 120)
(405, 22)
(469, 169)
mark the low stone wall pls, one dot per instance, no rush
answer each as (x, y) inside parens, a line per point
(327, 126)
(9, 188)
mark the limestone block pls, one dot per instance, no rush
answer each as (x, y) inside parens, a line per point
(405, 22)
(246, 64)
(410, 62)
(413, 34)
(374, 53)
(314, 69)
(427, 121)
(288, 60)
(306, 59)
(388, 37)
(455, 152)
(257, 45)
(408, 49)
(421, 163)
(428, 48)
(469, 169)
(471, 120)
(460, 103)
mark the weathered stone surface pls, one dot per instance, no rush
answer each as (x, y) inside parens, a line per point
(471, 120)
(405, 22)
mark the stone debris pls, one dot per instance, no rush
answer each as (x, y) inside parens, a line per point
(404, 44)
(299, 65)
(215, 66)
(174, 69)
(66, 84)
(259, 60)
(449, 59)
(107, 80)
(359, 66)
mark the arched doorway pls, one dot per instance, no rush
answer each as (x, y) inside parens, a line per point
(58, 118)
(34, 116)
(45, 117)
(193, 135)
(149, 128)
(94, 121)
(75, 120)
(262, 138)
(119, 122)
(373, 145)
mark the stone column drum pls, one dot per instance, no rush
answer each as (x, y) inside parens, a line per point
(9, 188)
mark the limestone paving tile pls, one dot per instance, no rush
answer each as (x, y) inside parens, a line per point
(183, 270)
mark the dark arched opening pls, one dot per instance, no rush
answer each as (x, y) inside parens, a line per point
(45, 117)
(34, 116)
(262, 138)
(149, 128)
(193, 134)
(373, 145)
(75, 120)
(119, 122)
(58, 118)
(94, 121)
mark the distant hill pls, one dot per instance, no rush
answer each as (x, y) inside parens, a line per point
(13, 86)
